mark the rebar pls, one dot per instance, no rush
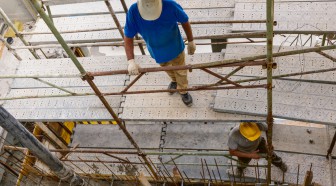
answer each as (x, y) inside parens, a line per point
(220, 177)
(11, 125)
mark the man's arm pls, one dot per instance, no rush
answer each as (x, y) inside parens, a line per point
(129, 47)
(187, 29)
(191, 45)
(133, 68)
(253, 155)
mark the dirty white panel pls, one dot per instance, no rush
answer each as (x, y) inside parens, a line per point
(99, 5)
(61, 108)
(303, 16)
(295, 100)
(286, 64)
(110, 136)
(106, 22)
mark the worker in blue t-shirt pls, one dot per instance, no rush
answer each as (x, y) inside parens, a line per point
(156, 21)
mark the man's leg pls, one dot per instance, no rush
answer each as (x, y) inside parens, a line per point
(276, 160)
(181, 75)
(182, 79)
(171, 74)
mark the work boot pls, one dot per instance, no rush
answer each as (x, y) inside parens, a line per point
(172, 86)
(187, 99)
(283, 167)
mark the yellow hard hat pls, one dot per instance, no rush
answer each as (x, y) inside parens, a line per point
(250, 130)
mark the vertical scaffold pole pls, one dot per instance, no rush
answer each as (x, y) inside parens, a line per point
(270, 34)
(89, 79)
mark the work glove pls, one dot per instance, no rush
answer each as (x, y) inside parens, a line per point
(191, 47)
(133, 68)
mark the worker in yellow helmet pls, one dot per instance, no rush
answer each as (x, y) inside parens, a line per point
(156, 21)
(245, 142)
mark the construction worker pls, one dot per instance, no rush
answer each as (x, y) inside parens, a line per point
(156, 21)
(246, 143)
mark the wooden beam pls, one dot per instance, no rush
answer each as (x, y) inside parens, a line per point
(51, 135)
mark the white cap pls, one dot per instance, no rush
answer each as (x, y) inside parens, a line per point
(150, 10)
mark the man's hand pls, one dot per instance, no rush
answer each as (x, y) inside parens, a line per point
(133, 68)
(255, 155)
(191, 47)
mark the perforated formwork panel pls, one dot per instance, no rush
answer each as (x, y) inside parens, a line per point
(65, 66)
(161, 106)
(62, 108)
(291, 100)
(286, 64)
(106, 21)
(65, 108)
(92, 7)
(290, 16)
(295, 100)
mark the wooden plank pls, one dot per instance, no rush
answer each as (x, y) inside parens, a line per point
(51, 135)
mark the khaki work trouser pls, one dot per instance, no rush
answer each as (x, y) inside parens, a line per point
(178, 76)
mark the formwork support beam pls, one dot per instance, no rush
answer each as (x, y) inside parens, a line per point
(89, 79)
(15, 128)
(51, 135)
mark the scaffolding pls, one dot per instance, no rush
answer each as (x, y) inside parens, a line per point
(141, 156)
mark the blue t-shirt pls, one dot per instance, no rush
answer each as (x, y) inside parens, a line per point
(162, 36)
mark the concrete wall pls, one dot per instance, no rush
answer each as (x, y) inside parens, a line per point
(20, 10)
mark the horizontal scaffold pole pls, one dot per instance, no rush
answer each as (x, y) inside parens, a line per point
(135, 92)
(136, 42)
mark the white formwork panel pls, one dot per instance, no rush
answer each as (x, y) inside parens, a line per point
(64, 66)
(290, 16)
(106, 21)
(280, 1)
(114, 35)
(61, 108)
(93, 7)
(300, 101)
(161, 106)
(285, 65)
(116, 80)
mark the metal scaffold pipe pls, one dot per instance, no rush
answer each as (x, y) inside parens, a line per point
(269, 55)
(86, 77)
(15, 128)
